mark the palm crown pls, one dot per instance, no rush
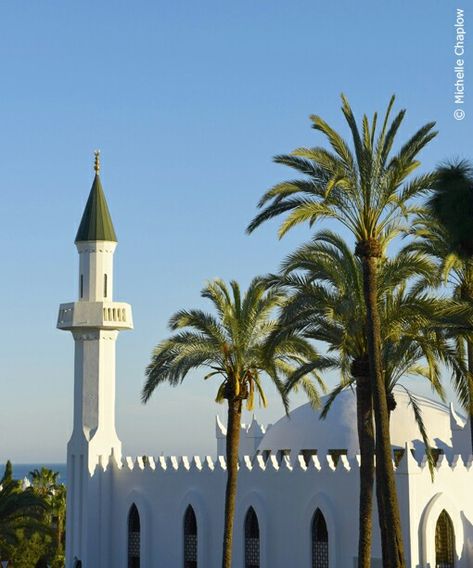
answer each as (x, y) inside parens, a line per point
(366, 190)
(232, 345)
(451, 204)
(327, 305)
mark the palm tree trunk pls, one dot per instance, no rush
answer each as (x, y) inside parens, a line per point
(59, 535)
(469, 347)
(366, 440)
(233, 442)
(388, 508)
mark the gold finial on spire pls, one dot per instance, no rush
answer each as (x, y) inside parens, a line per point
(97, 161)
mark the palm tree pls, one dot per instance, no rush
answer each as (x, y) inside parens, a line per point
(367, 192)
(45, 484)
(327, 305)
(44, 481)
(231, 345)
(19, 510)
(452, 205)
(443, 233)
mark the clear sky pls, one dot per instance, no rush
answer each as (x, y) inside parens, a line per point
(188, 102)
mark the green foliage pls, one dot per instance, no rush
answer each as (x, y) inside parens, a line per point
(453, 272)
(7, 474)
(366, 188)
(30, 549)
(451, 204)
(324, 280)
(32, 520)
(232, 346)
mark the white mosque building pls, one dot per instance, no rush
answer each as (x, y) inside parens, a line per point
(297, 504)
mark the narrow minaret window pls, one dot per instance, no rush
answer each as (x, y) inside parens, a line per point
(81, 285)
(105, 285)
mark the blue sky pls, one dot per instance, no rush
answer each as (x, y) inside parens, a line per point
(188, 102)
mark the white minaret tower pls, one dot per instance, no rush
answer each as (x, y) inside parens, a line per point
(94, 320)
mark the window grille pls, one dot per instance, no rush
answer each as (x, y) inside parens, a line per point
(444, 542)
(134, 538)
(190, 539)
(252, 552)
(319, 541)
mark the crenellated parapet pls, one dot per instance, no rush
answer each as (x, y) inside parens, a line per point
(408, 464)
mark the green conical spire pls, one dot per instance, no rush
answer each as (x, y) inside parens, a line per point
(96, 223)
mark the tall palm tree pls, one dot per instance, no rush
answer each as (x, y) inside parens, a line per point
(325, 280)
(366, 191)
(231, 345)
(444, 233)
(452, 206)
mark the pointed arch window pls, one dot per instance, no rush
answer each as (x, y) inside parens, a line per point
(319, 541)
(190, 538)
(252, 540)
(134, 537)
(444, 542)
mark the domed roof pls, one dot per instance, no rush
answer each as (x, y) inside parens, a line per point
(303, 429)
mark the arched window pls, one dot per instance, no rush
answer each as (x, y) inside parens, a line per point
(105, 285)
(251, 539)
(444, 542)
(81, 285)
(133, 538)
(190, 539)
(319, 541)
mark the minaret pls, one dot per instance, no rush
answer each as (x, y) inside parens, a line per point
(94, 320)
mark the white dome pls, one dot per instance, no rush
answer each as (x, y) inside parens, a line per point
(303, 430)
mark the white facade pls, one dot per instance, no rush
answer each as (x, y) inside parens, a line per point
(287, 472)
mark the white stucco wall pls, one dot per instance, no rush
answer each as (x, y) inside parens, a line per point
(284, 497)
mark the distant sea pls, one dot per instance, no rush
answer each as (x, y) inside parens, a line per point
(21, 470)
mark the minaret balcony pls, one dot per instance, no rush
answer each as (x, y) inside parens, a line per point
(96, 315)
